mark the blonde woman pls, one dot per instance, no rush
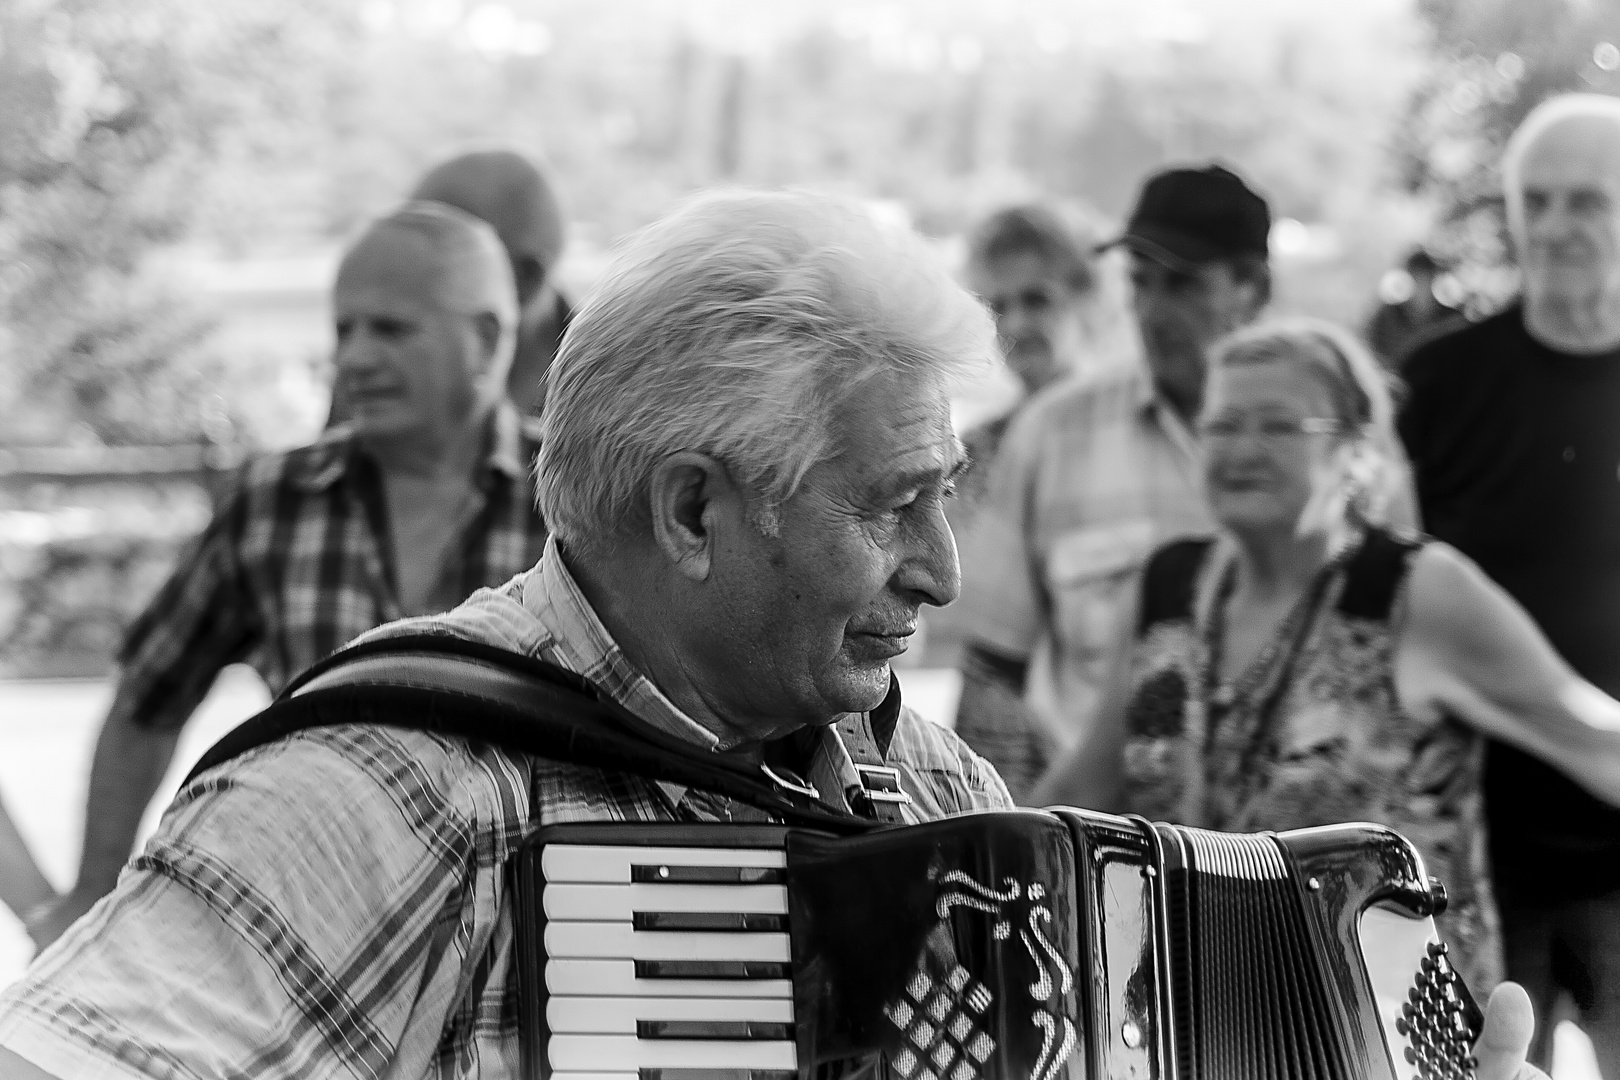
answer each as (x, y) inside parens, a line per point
(1307, 665)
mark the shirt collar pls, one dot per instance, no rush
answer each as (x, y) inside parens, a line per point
(553, 597)
(332, 455)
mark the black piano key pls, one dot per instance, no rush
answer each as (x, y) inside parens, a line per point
(709, 920)
(712, 969)
(713, 1029)
(668, 874)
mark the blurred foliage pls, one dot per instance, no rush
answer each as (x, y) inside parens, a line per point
(1492, 61)
(114, 114)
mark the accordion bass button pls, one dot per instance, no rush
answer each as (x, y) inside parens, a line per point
(1439, 898)
(1130, 1032)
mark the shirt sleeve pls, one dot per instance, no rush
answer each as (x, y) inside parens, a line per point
(285, 921)
(203, 618)
(1003, 604)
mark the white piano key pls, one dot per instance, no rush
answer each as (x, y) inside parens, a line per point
(617, 941)
(617, 978)
(604, 1052)
(619, 902)
(594, 863)
(622, 1074)
(618, 1016)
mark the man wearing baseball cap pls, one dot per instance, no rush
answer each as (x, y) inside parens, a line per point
(1096, 472)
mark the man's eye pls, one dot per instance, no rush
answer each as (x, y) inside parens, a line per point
(1588, 202)
(1036, 301)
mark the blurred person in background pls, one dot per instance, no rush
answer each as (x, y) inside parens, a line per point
(1097, 471)
(1409, 309)
(1513, 428)
(420, 497)
(1038, 278)
(1034, 273)
(1308, 665)
(517, 198)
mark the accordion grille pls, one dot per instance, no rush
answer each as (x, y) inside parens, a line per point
(1251, 998)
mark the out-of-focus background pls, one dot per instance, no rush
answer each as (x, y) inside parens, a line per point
(178, 176)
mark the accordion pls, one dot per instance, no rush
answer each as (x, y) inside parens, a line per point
(1018, 944)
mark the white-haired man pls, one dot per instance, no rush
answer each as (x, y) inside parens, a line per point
(420, 498)
(747, 450)
(1513, 427)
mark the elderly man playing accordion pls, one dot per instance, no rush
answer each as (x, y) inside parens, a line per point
(747, 451)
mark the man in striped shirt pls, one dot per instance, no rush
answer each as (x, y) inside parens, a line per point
(747, 450)
(420, 498)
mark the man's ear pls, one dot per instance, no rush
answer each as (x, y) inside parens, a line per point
(687, 493)
(487, 325)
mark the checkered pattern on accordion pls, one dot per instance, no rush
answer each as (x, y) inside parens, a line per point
(1027, 944)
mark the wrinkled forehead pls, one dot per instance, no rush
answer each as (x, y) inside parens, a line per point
(1577, 151)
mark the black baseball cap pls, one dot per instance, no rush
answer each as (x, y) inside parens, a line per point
(1188, 216)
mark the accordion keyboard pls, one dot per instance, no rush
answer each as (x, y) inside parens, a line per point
(667, 963)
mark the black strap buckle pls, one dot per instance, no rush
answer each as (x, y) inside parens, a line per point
(880, 794)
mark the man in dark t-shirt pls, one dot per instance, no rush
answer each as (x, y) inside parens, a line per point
(1513, 429)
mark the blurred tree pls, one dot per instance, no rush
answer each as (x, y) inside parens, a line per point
(114, 115)
(1492, 61)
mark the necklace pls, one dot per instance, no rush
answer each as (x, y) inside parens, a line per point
(1259, 686)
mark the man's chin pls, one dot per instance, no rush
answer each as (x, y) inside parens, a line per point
(863, 687)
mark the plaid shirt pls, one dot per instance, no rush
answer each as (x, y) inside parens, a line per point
(296, 564)
(335, 904)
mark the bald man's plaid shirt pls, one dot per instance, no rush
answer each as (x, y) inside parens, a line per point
(336, 904)
(297, 563)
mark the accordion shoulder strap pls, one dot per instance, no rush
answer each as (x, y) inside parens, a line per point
(465, 689)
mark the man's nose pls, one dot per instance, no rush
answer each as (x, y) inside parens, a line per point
(928, 568)
(355, 350)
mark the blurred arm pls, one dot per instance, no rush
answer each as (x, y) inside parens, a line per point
(22, 887)
(200, 621)
(1091, 774)
(993, 719)
(1469, 649)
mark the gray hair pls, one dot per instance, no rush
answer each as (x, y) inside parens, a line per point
(738, 326)
(1360, 388)
(473, 275)
(1543, 118)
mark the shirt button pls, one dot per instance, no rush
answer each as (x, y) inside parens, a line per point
(1569, 454)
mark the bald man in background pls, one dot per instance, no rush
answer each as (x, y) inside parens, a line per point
(1513, 429)
(421, 496)
(516, 198)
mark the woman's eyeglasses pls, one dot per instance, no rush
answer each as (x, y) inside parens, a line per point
(1268, 428)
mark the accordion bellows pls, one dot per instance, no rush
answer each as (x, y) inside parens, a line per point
(1017, 944)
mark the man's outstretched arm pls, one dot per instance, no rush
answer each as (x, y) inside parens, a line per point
(201, 620)
(129, 764)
